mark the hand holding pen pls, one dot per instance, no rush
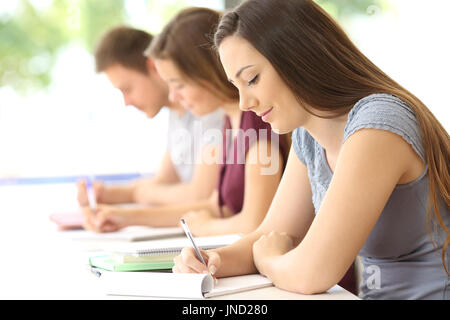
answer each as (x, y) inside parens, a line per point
(88, 195)
(89, 192)
(194, 260)
(91, 195)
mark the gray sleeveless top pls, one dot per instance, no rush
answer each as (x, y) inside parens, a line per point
(400, 261)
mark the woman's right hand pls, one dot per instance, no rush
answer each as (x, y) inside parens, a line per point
(82, 195)
(187, 262)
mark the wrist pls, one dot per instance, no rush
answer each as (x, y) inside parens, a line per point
(139, 192)
(116, 194)
(134, 217)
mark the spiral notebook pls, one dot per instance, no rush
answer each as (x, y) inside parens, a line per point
(172, 246)
(109, 263)
(155, 254)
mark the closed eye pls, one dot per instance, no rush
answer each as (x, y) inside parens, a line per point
(253, 81)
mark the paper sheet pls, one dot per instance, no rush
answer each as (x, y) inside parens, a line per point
(133, 233)
(177, 285)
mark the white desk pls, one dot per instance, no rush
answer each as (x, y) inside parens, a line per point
(39, 262)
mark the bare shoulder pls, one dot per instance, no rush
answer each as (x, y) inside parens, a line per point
(387, 147)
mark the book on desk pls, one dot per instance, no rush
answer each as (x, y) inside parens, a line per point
(155, 254)
(118, 274)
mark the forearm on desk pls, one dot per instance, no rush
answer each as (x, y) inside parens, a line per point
(167, 194)
(118, 194)
(238, 223)
(237, 258)
(171, 191)
(163, 216)
(298, 272)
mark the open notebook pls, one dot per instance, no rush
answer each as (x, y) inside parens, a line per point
(176, 285)
(133, 233)
(72, 220)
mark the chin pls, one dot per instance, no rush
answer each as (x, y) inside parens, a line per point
(151, 115)
(199, 112)
(277, 129)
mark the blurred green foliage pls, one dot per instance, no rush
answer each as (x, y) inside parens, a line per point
(345, 9)
(32, 32)
(31, 36)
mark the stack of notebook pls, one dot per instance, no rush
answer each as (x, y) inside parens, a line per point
(151, 251)
(153, 255)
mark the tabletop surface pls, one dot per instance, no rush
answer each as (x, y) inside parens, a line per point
(40, 262)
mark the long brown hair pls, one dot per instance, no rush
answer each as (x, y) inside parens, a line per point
(187, 40)
(327, 72)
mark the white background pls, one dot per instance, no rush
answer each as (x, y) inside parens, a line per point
(82, 127)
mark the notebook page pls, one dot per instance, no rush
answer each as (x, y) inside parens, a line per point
(177, 285)
(156, 284)
(238, 284)
(133, 233)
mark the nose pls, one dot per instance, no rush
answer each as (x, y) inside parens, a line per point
(175, 96)
(127, 100)
(172, 96)
(247, 103)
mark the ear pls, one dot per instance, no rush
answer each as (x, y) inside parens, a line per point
(150, 65)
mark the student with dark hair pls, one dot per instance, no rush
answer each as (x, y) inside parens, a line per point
(368, 172)
(253, 156)
(182, 176)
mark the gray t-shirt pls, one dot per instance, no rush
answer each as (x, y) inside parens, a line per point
(188, 135)
(399, 260)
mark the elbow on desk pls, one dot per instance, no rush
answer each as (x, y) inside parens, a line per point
(307, 283)
(306, 287)
(311, 289)
(197, 193)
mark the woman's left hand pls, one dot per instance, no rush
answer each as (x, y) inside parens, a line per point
(268, 247)
(109, 218)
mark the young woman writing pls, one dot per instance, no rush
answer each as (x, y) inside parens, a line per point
(368, 173)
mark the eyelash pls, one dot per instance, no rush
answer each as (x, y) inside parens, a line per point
(253, 81)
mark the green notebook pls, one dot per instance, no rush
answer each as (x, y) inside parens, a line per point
(154, 255)
(108, 263)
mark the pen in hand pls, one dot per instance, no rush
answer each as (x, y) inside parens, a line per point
(191, 238)
(91, 195)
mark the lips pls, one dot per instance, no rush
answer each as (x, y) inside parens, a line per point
(262, 115)
(186, 106)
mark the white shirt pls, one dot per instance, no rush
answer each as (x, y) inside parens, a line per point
(188, 135)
